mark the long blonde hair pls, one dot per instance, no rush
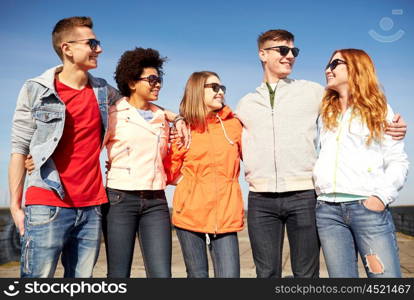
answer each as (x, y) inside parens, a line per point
(365, 95)
(192, 106)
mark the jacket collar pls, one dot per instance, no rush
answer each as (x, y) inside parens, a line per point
(153, 125)
(224, 113)
(264, 91)
(47, 78)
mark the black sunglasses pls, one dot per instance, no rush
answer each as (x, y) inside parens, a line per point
(284, 50)
(152, 80)
(216, 87)
(93, 43)
(333, 64)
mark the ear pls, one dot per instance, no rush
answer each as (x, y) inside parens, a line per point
(131, 85)
(66, 49)
(262, 55)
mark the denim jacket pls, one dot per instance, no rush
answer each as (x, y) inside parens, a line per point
(39, 120)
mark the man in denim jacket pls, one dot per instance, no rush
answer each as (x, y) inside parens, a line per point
(61, 118)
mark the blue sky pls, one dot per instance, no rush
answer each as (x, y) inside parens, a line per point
(213, 35)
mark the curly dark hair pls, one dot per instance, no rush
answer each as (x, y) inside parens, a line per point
(131, 65)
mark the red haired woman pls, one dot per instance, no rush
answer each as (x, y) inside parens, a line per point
(358, 172)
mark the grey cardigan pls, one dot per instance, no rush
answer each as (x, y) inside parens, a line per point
(279, 144)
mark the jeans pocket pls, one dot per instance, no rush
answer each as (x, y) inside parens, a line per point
(256, 195)
(41, 214)
(114, 196)
(26, 256)
(371, 210)
(319, 204)
(98, 211)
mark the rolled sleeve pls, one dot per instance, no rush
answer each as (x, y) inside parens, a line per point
(23, 126)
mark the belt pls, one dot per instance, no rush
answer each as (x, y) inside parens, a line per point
(149, 194)
(360, 201)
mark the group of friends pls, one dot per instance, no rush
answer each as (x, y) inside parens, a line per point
(322, 163)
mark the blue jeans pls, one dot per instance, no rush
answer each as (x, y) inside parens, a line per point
(348, 228)
(137, 213)
(51, 231)
(224, 251)
(267, 216)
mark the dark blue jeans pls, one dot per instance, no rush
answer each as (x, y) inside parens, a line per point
(268, 215)
(137, 213)
(224, 250)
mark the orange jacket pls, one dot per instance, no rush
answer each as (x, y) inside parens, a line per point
(208, 197)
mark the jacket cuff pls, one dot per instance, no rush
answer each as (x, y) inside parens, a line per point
(177, 152)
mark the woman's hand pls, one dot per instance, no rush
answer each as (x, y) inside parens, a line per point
(29, 164)
(374, 203)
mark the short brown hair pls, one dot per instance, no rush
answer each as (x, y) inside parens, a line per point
(192, 106)
(274, 35)
(63, 27)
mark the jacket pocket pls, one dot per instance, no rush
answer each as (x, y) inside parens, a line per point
(47, 116)
(46, 125)
(126, 150)
(184, 191)
(178, 204)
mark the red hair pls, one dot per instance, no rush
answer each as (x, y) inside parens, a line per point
(365, 95)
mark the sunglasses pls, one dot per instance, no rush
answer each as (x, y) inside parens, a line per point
(152, 80)
(284, 50)
(216, 87)
(333, 64)
(93, 43)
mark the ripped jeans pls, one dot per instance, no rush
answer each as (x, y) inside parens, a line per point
(74, 234)
(348, 228)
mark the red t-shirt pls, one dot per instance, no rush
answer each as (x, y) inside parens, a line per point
(77, 155)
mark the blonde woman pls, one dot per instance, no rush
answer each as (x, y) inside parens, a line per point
(208, 204)
(358, 172)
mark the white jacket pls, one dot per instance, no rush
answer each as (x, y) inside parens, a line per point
(136, 148)
(347, 165)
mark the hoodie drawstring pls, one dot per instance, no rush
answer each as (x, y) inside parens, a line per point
(224, 130)
(207, 239)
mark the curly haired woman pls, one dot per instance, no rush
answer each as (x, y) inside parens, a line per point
(137, 143)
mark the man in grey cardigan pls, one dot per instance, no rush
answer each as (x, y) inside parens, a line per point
(279, 151)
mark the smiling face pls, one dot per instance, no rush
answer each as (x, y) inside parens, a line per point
(337, 78)
(143, 89)
(213, 100)
(274, 64)
(78, 50)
